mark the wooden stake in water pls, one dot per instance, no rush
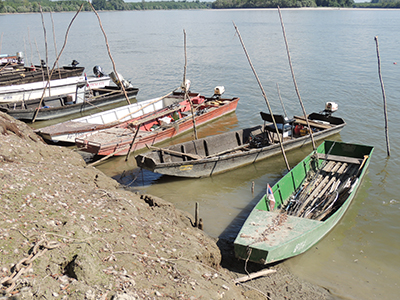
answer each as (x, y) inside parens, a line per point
(196, 214)
(384, 97)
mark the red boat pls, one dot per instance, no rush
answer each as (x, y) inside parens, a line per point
(157, 126)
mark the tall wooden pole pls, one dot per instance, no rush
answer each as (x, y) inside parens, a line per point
(55, 63)
(185, 88)
(264, 95)
(109, 53)
(294, 80)
(384, 97)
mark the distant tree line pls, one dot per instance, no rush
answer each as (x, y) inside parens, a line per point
(280, 3)
(26, 6)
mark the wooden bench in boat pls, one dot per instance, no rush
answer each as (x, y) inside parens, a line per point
(302, 121)
(338, 158)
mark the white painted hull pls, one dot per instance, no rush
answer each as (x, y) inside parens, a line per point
(60, 133)
(34, 90)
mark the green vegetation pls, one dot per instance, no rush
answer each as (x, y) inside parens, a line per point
(280, 3)
(379, 4)
(27, 6)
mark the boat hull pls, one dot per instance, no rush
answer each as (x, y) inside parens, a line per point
(68, 132)
(56, 107)
(271, 236)
(208, 166)
(34, 90)
(35, 74)
(120, 143)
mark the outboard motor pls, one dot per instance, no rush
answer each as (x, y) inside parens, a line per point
(74, 63)
(218, 91)
(20, 57)
(121, 79)
(330, 108)
(98, 71)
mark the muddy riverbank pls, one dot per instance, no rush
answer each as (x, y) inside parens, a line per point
(70, 232)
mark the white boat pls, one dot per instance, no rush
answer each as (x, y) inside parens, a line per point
(68, 131)
(34, 90)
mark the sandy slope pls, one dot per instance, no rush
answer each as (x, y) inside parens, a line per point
(76, 234)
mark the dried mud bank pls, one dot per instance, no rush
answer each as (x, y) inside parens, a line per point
(67, 231)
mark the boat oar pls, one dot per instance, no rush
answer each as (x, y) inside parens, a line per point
(194, 156)
(362, 165)
(229, 150)
(133, 141)
(105, 157)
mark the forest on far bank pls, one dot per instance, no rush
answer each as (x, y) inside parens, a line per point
(33, 6)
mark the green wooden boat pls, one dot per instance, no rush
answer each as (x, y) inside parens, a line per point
(302, 207)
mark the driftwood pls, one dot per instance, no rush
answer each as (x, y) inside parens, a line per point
(254, 275)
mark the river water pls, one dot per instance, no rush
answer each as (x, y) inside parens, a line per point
(334, 57)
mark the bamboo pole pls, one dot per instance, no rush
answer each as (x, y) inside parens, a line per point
(55, 63)
(384, 97)
(264, 95)
(109, 53)
(55, 43)
(280, 98)
(294, 79)
(185, 88)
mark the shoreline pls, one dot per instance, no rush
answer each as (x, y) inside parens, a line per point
(100, 241)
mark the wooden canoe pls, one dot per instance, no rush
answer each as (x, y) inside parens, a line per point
(227, 151)
(64, 105)
(308, 202)
(151, 128)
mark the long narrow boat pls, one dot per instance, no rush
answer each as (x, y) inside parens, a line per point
(64, 105)
(37, 73)
(54, 87)
(68, 132)
(157, 126)
(222, 152)
(302, 207)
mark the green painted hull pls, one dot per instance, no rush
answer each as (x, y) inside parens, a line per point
(270, 236)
